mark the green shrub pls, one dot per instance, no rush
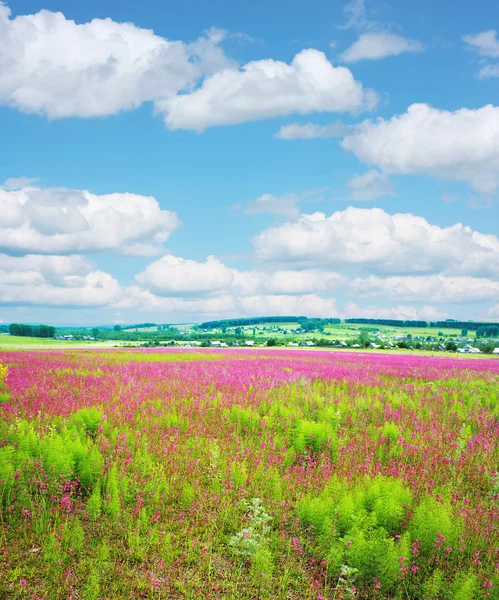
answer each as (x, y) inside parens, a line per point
(113, 502)
(6, 474)
(87, 418)
(433, 586)
(431, 518)
(391, 432)
(316, 436)
(94, 504)
(465, 587)
(374, 554)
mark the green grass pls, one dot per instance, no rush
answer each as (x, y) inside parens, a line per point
(14, 342)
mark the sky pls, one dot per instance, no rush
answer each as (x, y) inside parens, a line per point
(179, 162)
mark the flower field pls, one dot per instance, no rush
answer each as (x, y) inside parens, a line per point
(248, 474)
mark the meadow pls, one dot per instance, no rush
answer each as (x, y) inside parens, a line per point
(248, 474)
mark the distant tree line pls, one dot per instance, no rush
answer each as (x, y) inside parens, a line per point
(304, 322)
(249, 321)
(388, 322)
(449, 324)
(41, 331)
(487, 331)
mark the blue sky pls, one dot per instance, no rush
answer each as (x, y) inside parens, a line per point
(176, 163)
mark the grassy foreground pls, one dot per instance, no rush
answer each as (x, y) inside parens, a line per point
(285, 474)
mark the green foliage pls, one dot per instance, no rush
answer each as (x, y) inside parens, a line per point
(262, 562)
(431, 518)
(314, 436)
(356, 525)
(373, 553)
(465, 587)
(391, 432)
(94, 504)
(433, 586)
(6, 473)
(113, 501)
(88, 418)
(74, 535)
(92, 590)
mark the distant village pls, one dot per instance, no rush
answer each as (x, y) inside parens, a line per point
(301, 333)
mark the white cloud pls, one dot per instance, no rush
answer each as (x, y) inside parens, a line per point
(285, 206)
(485, 43)
(373, 46)
(431, 288)
(62, 221)
(226, 305)
(356, 14)
(16, 183)
(406, 313)
(374, 239)
(175, 276)
(286, 282)
(309, 131)
(314, 306)
(267, 88)
(370, 185)
(489, 71)
(53, 66)
(59, 281)
(461, 145)
(171, 275)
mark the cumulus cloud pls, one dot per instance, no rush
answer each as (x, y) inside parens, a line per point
(309, 131)
(174, 276)
(461, 145)
(142, 299)
(316, 306)
(171, 275)
(58, 281)
(285, 205)
(370, 185)
(373, 46)
(286, 282)
(17, 183)
(431, 288)
(374, 239)
(267, 88)
(62, 221)
(51, 65)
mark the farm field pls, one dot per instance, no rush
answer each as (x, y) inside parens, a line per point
(15, 342)
(248, 474)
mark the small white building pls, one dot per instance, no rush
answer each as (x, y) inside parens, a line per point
(495, 351)
(249, 343)
(469, 350)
